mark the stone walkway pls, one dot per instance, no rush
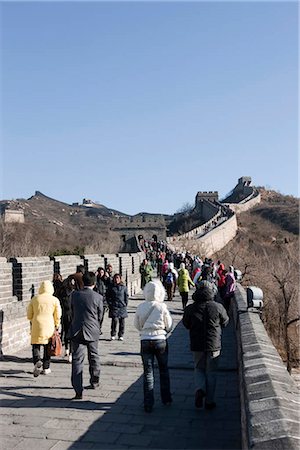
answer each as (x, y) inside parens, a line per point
(37, 413)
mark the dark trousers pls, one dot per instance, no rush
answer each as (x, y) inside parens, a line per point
(159, 349)
(114, 324)
(65, 332)
(184, 298)
(78, 355)
(36, 354)
(227, 301)
(105, 308)
(170, 290)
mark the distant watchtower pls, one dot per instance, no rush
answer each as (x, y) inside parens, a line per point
(211, 196)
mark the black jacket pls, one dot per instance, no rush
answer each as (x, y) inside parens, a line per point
(117, 299)
(204, 320)
(102, 284)
(87, 310)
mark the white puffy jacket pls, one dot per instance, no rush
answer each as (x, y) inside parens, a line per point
(152, 317)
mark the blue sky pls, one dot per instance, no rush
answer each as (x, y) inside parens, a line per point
(139, 105)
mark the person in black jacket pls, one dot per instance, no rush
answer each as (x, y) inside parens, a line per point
(103, 282)
(204, 319)
(117, 299)
(87, 310)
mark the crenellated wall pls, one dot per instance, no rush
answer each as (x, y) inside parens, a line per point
(249, 202)
(20, 279)
(269, 396)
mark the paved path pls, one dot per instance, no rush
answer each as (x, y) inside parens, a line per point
(37, 413)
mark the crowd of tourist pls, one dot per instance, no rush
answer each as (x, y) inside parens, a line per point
(77, 306)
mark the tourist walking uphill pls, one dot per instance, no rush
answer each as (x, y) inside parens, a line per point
(146, 271)
(204, 320)
(87, 310)
(154, 321)
(44, 313)
(184, 282)
(117, 299)
(68, 287)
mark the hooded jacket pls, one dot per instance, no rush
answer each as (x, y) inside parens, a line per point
(204, 319)
(152, 317)
(184, 281)
(44, 312)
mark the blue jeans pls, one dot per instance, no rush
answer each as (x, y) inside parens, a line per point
(205, 367)
(159, 349)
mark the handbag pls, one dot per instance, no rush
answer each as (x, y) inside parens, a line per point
(55, 344)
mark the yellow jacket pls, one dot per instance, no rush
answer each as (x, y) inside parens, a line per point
(44, 312)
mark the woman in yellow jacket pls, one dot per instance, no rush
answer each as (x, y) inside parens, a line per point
(44, 312)
(184, 282)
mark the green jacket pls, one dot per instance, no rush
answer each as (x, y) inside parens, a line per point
(146, 273)
(184, 281)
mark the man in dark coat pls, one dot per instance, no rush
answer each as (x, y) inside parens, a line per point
(87, 310)
(204, 319)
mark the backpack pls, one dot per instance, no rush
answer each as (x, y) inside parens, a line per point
(169, 278)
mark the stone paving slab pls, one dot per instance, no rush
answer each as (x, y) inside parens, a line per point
(37, 413)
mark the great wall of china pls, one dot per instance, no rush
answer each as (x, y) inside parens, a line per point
(269, 397)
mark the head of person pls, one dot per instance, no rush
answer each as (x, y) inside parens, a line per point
(206, 272)
(171, 266)
(46, 287)
(117, 279)
(57, 278)
(182, 265)
(154, 291)
(89, 279)
(80, 269)
(145, 261)
(109, 269)
(100, 272)
(205, 292)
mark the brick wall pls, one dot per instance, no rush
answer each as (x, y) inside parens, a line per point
(66, 264)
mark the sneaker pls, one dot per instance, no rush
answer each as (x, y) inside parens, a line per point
(67, 353)
(113, 338)
(121, 338)
(46, 371)
(210, 406)
(37, 369)
(199, 395)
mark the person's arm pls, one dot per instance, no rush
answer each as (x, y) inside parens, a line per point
(57, 313)
(30, 311)
(191, 283)
(224, 319)
(126, 296)
(100, 308)
(136, 321)
(186, 320)
(168, 320)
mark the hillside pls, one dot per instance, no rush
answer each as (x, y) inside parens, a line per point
(266, 250)
(52, 227)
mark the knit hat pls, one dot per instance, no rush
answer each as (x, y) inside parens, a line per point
(205, 291)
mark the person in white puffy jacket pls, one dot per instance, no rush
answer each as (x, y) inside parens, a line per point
(154, 322)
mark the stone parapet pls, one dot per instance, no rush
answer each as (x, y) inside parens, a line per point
(269, 396)
(92, 262)
(28, 273)
(21, 277)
